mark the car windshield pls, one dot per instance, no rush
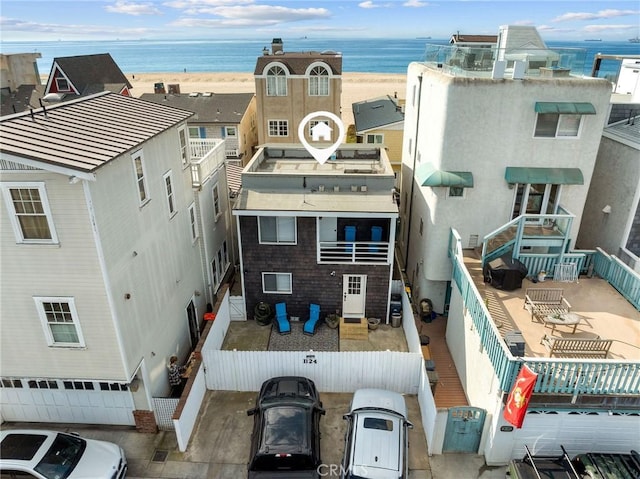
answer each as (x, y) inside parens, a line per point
(62, 457)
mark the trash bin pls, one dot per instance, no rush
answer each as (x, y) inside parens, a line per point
(396, 320)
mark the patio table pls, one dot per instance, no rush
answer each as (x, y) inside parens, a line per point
(566, 319)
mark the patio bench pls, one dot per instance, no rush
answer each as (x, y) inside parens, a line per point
(578, 348)
(543, 302)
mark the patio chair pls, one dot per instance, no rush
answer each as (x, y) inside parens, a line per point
(282, 319)
(314, 317)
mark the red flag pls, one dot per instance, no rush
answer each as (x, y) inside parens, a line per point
(519, 397)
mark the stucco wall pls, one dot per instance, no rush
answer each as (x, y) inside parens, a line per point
(616, 182)
(482, 126)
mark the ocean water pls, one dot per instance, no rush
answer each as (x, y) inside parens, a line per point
(358, 55)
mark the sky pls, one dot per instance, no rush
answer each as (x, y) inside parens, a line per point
(71, 20)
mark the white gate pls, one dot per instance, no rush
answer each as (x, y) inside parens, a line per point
(62, 401)
(237, 308)
(163, 409)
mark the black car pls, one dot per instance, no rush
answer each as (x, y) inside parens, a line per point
(286, 429)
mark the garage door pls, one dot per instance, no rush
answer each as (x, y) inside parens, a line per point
(544, 432)
(82, 402)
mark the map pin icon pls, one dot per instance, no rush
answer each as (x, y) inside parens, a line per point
(321, 129)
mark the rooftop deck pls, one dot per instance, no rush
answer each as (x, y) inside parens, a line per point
(603, 311)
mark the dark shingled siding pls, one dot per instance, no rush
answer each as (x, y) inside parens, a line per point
(312, 282)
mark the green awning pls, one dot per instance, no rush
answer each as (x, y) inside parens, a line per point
(554, 176)
(429, 175)
(565, 107)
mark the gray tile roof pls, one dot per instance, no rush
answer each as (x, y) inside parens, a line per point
(375, 113)
(297, 62)
(86, 133)
(208, 108)
(92, 73)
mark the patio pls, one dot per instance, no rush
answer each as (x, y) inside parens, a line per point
(603, 313)
(251, 336)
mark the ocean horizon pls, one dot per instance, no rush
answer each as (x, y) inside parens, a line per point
(193, 56)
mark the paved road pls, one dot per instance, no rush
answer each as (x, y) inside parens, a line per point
(219, 447)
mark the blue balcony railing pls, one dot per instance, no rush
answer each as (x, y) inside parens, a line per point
(556, 376)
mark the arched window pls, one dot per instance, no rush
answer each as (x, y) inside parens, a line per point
(319, 81)
(276, 81)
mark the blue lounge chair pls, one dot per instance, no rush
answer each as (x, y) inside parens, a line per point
(312, 323)
(281, 318)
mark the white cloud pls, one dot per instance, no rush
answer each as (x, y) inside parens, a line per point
(251, 15)
(367, 4)
(606, 28)
(133, 8)
(69, 30)
(572, 16)
(415, 3)
(195, 4)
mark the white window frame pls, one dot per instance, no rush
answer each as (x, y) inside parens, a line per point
(374, 136)
(277, 126)
(193, 222)
(276, 81)
(141, 181)
(279, 225)
(13, 215)
(194, 132)
(184, 145)
(62, 84)
(230, 132)
(215, 197)
(278, 276)
(171, 194)
(564, 128)
(40, 301)
(319, 81)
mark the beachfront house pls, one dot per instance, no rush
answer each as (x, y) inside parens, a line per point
(290, 86)
(380, 122)
(498, 158)
(227, 116)
(20, 82)
(314, 233)
(103, 265)
(82, 75)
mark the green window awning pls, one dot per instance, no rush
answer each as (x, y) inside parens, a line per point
(565, 107)
(554, 176)
(429, 175)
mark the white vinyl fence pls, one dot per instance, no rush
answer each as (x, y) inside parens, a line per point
(331, 371)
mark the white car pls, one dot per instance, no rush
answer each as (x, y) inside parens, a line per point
(377, 441)
(57, 455)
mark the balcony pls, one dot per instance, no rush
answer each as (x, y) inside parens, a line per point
(360, 252)
(479, 61)
(207, 155)
(608, 303)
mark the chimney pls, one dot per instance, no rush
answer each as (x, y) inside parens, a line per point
(276, 45)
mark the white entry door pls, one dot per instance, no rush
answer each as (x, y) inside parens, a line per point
(354, 293)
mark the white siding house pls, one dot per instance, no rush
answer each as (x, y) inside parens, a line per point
(101, 277)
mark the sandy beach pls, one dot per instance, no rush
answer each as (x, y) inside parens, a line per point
(355, 86)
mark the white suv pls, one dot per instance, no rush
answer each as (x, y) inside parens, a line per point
(376, 442)
(57, 455)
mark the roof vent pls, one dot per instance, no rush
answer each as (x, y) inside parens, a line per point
(207, 94)
(192, 95)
